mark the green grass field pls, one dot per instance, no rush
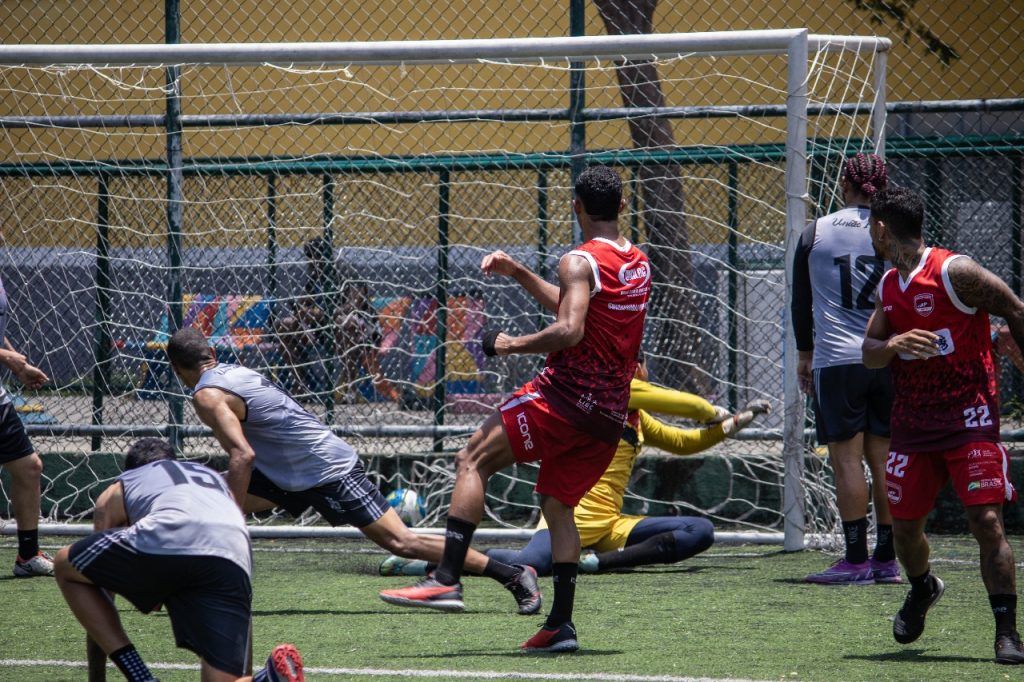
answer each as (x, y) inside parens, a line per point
(732, 613)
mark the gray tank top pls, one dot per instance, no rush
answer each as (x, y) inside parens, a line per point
(293, 448)
(844, 274)
(184, 508)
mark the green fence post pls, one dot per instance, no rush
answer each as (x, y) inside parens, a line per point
(634, 207)
(1016, 190)
(101, 370)
(577, 103)
(732, 318)
(933, 203)
(175, 207)
(331, 349)
(272, 242)
(542, 234)
(441, 293)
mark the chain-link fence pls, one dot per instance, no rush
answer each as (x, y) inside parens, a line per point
(96, 283)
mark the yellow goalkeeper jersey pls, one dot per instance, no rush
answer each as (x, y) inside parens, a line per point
(599, 514)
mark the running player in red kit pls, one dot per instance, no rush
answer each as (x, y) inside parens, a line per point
(571, 416)
(931, 323)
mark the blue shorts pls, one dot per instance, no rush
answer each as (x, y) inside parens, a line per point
(851, 399)
(208, 598)
(351, 500)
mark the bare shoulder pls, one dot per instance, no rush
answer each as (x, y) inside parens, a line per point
(980, 288)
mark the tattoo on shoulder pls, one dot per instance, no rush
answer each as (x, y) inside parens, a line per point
(979, 288)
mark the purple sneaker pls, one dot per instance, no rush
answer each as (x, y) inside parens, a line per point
(843, 572)
(886, 571)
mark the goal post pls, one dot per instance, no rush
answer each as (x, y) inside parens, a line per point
(209, 186)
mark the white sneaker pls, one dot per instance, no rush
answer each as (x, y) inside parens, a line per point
(39, 565)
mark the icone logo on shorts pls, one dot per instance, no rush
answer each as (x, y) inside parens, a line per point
(634, 274)
(924, 304)
(524, 431)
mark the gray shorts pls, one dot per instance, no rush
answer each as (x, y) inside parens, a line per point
(351, 500)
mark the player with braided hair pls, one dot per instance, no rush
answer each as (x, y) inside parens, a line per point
(836, 272)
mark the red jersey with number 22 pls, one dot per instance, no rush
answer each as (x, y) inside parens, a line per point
(952, 398)
(588, 384)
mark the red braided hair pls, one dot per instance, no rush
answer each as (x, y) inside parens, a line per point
(866, 172)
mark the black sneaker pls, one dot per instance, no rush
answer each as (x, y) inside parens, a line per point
(908, 624)
(1009, 650)
(561, 639)
(524, 588)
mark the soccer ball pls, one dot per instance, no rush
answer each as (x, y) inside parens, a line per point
(409, 505)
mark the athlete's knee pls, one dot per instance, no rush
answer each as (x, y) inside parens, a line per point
(986, 523)
(26, 470)
(703, 535)
(62, 568)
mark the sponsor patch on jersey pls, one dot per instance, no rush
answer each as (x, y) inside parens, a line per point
(944, 343)
(924, 304)
(635, 274)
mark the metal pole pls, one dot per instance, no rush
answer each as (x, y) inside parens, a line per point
(878, 106)
(933, 202)
(796, 212)
(634, 207)
(577, 103)
(331, 276)
(732, 318)
(441, 294)
(175, 207)
(101, 370)
(542, 234)
(272, 241)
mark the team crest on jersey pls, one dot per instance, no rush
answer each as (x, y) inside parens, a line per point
(635, 274)
(924, 304)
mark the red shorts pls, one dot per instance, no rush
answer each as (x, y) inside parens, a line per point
(571, 462)
(978, 470)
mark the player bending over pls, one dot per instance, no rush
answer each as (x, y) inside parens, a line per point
(571, 416)
(280, 455)
(931, 325)
(168, 534)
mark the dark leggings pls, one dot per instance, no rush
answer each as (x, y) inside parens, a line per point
(692, 535)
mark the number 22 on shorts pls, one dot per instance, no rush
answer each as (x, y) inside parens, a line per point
(896, 464)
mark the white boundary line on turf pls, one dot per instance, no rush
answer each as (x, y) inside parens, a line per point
(384, 672)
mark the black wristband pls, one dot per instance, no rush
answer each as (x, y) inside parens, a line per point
(488, 342)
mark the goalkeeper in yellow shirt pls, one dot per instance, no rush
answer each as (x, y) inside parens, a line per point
(618, 540)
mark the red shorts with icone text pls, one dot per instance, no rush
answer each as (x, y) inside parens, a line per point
(571, 462)
(978, 470)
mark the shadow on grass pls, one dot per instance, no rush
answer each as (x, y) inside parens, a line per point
(915, 656)
(512, 653)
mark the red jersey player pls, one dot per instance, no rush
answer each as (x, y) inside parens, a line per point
(571, 416)
(931, 323)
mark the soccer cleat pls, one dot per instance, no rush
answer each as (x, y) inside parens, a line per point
(427, 593)
(285, 664)
(1009, 650)
(39, 565)
(843, 572)
(524, 588)
(908, 624)
(886, 571)
(561, 639)
(396, 565)
(589, 562)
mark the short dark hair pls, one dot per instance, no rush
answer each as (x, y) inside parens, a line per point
(902, 211)
(599, 189)
(146, 451)
(188, 348)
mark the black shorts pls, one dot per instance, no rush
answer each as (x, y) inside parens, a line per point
(851, 399)
(351, 500)
(14, 442)
(208, 599)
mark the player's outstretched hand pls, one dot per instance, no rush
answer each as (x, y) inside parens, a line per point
(499, 263)
(744, 417)
(32, 377)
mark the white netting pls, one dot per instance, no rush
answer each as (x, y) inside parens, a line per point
(409, 174)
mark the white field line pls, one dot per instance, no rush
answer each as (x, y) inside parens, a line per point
(426, 674)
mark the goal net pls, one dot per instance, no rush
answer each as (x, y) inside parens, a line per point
(320, 211)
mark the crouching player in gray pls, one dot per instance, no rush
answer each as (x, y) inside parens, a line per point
(169, 534)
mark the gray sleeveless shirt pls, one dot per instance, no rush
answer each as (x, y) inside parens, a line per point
(293, 448)
(844, 274)
(183, 508)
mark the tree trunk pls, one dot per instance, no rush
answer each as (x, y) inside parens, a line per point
(673, 331)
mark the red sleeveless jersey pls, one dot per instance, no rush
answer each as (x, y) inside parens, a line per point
(588, 384)
(953, 398)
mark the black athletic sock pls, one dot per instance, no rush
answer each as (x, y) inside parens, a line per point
(457, 537)
(1004, 608)
(28, 543)
(855, 533)
(921, 586)
(503, 573)
(884, 549)
(129, 662)
(564, 577)
(657, 549)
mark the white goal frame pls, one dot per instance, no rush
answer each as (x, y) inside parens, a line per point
(795, 44)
